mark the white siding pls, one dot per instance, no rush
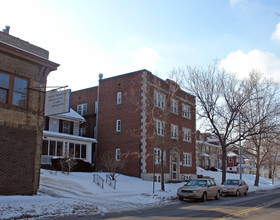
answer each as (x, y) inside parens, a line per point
(54, 125)
(76, 128)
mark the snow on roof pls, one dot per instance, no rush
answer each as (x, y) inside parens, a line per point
(203, 155)
(206, 143)
(232, 154)
(68, 136)
(72, 115)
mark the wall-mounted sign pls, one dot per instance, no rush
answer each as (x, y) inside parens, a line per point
(57, 102)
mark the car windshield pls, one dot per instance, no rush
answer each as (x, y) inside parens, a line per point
(231, 182)
(197, 183)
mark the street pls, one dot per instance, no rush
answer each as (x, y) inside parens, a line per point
(257, 205)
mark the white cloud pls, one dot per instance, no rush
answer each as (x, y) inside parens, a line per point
(276, 34)
(242, 64)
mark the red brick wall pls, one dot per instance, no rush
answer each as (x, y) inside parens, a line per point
(128, 140)
(88, 96)
(17, 147)
(129, 112)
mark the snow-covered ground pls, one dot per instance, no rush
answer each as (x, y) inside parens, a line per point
(62, 194)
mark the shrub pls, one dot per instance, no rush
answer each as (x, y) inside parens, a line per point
(74, 165)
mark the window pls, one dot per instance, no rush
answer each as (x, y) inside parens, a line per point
(157, 155)
(159, 127)
(77, 150)
(186, 111)
(187, 136)
(96, 107)
(13, 90)
(66, 127)
(84, 151)
(159, 100)
(19, 94)
(187, 159)
(45, 148)
(82, 109)
(174, 131)
(174, 106)
(118, 154)
(118, 126)
(119, 97)
(83, 132)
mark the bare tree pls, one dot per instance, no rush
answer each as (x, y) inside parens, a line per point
(220, 98)
(111, 164)
(266, 110)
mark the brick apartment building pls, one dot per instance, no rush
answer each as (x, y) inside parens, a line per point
(23, 72)
(142, 119)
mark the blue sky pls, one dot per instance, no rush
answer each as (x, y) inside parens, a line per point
(88, 37)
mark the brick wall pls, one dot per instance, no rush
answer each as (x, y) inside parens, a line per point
(21, 129)
(88, 96)
(17, 164)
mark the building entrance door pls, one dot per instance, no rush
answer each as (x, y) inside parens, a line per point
(174, 168)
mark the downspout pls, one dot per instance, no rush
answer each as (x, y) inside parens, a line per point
(96, 123)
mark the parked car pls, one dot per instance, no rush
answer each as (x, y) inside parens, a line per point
(234, 187)
(200, 188)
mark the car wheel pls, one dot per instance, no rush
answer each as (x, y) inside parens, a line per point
(217, 197)
(204, 197)
(245, 193)
(181, 198)
(237, 193)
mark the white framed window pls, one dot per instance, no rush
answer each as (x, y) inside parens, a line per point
(157, 178)
(119, 97)
(186, 111)
(160, 127)
(157, 155)
(118, 154)
(187, 159)
(118, 126)
(82, 109)
(174, 106)
(187, 134)
(159, 100)
(174, 131)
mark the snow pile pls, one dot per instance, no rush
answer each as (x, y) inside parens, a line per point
(62, 194)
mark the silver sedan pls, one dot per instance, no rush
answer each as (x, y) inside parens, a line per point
(234, 187)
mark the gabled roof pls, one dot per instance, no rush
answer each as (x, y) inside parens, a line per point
(232, 154)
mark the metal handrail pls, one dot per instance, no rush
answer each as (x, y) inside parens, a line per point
(98, 180)
(110, 181)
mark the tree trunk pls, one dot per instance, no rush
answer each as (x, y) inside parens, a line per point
(257, 175)
(224, 156)
(162, 170)
(257, 179)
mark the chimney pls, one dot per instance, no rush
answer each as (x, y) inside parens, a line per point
(100, 76)
(7, 29)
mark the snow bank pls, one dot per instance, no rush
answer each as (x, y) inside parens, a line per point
(62, 194)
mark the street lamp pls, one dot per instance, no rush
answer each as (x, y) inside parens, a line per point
(240, 152)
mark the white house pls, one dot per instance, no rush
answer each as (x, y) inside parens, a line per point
(61, 138)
